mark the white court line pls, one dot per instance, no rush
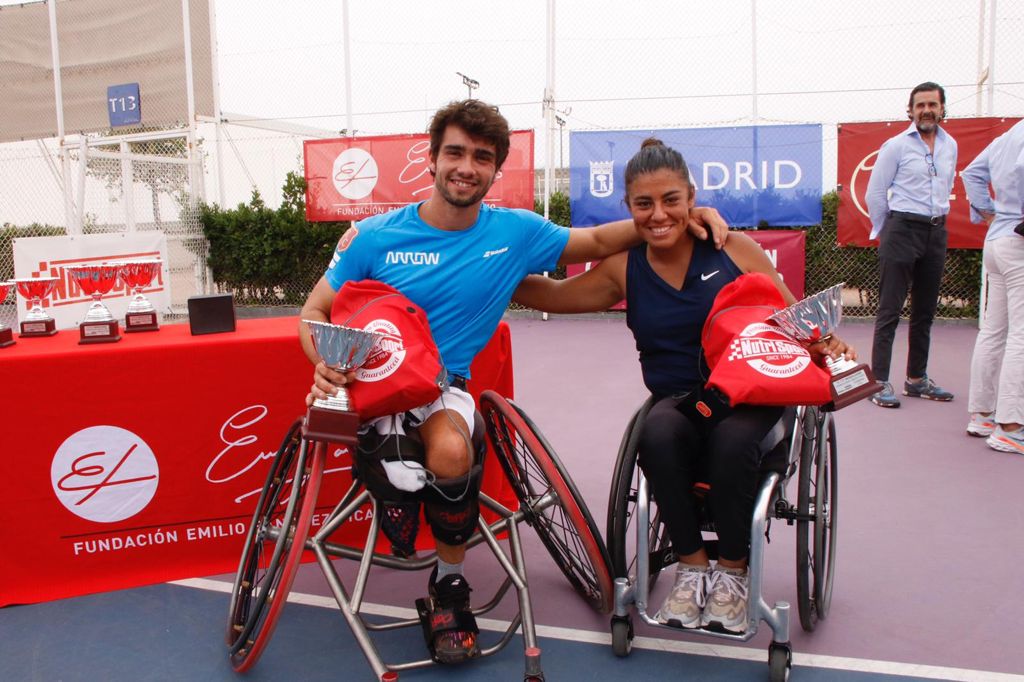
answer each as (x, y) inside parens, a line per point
(670, 645)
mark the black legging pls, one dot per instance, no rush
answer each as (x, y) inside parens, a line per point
(676, 449)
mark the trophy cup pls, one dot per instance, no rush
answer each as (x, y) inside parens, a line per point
(37, 322)
(813, 319)
(99, 326)
(138, 274)
(343, 349)
(6, 335)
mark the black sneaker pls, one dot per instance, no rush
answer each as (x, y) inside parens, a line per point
(452, 592)
(927, 389)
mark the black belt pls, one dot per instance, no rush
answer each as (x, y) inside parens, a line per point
(918, 218)
(457, 381)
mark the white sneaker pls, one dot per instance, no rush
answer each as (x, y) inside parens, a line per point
(683, 604)
(981, 426)
(726, 606)
(1007, 441)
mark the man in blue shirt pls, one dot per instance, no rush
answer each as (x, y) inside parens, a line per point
(996, 400)
(918, 167)
(460, 261)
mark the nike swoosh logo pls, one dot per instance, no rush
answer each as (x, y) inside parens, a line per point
(708, 276)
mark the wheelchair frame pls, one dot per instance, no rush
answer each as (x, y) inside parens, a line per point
(277, 540)
(812, 453)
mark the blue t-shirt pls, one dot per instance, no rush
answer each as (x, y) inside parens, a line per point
(667, 322)
(463, 279)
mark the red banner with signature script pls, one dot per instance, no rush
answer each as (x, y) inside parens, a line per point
(858, 148)
(353, 178)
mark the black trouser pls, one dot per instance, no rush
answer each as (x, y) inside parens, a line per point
(677, 449)
(911, 257)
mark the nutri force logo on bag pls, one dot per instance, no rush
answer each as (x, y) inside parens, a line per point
(387, 356)
(104, 474)
(760, 345)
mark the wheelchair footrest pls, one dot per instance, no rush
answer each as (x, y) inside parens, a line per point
(436, 620)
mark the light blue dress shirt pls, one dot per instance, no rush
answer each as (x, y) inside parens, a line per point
(1002, 164)
(920, 180)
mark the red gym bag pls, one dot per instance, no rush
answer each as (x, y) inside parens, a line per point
(404, 370)
(753, 361)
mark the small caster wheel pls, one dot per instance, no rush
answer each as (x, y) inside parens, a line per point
(780, 661)
(622, 636)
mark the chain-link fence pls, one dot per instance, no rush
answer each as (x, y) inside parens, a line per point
(286, 75)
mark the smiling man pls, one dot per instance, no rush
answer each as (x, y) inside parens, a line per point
(918, 166)
(460, 260)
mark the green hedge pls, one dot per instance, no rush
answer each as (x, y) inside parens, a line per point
(8, 233)
(267, 256)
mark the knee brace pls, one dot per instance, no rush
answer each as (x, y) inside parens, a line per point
(452, 506)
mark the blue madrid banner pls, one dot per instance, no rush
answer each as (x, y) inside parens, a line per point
(750, 173)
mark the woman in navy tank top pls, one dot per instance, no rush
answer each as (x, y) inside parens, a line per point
(669, 282)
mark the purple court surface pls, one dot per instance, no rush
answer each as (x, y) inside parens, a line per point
(928, 577)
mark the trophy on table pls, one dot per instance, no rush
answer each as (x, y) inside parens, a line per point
(6, 334)
(138, 274)
(99, 326)
(814, 319)
(343, 349)
(37, 322)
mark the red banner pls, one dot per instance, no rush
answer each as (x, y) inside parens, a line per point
(858, 147)
(785, 249)
(356, 177)
(147, 463)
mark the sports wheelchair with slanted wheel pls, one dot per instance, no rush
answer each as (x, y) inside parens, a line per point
(803, 441)
(278, 538)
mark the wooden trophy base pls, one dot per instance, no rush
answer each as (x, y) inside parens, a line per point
(852, 385)
(38, 328)
(331, 426)
(6, 337)
(140, 322)
(99, 332)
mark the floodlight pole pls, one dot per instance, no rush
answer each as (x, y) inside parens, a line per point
(470, 84)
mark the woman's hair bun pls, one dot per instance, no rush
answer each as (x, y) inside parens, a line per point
(652, 142)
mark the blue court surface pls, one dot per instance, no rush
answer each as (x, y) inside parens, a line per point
(928, 580)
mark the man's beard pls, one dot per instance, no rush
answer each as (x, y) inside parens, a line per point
(475, 198)
(927, 125)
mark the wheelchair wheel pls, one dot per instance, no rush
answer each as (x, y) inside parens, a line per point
(621, 529)
(816, 524)
(269, 564)
(565, 528)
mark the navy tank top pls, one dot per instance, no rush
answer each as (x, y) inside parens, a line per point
(667, 323)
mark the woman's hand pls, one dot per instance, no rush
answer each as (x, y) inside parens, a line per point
(706, 221)
(326, 382)
(831, 346)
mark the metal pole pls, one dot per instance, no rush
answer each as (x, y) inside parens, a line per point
(349, 128)
(549, 104)
(753, 56)
(127, 187)
(58, 100)
(981, 57)
(215, 74)
(992, 62)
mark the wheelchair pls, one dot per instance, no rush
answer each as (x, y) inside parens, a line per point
(279, 537)
(802, 442)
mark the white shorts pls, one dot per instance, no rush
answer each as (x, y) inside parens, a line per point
(454, 399)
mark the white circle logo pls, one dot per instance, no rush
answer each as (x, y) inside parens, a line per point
(354, 173)
(387, 356)
(104, 474)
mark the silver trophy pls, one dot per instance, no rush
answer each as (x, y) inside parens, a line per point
(814, 319)
(138, 274)
(342, 349)
(37, 321)
(99, 325)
